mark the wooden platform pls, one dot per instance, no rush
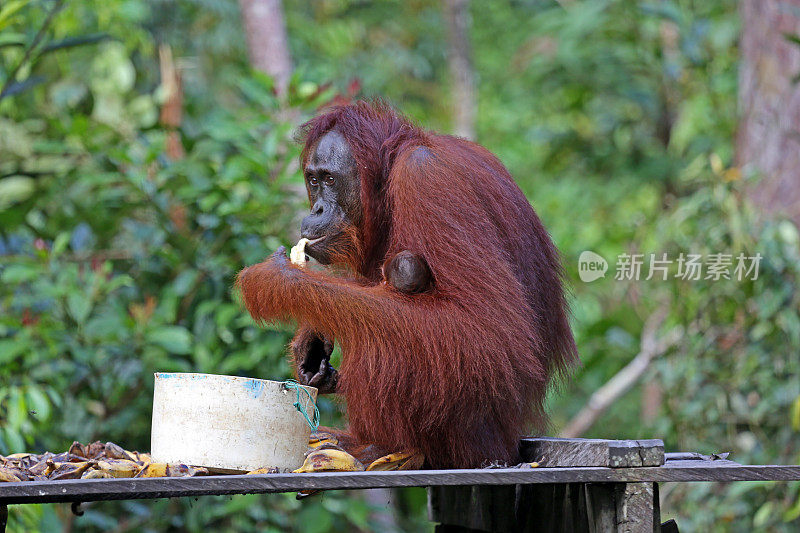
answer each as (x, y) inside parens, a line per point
(123, 489)
(615, 488)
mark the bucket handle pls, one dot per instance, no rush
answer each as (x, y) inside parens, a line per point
(313, 420)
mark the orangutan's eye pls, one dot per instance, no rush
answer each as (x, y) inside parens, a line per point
(312, 181)
(329, 179)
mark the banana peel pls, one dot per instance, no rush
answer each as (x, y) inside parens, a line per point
(96, 460)
(119, 468)
(76, 448)
(319, 438)
(408, 460)
(18, 456)
(327, 458)
(8, 475)
(265, 470)
(95, 474)
(153, 470)
(181, 470)
(143, 459)
(115, 451)
(330, 460)
(70, 470)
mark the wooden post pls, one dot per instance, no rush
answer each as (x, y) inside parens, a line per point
(3, 517)
(637, 508)
(546, 507)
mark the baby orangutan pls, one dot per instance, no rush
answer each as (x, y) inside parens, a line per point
(408, 273)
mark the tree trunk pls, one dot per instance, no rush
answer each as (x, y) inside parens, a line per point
(769, 96)
(172, 108)
(459, 58)
(267, 44)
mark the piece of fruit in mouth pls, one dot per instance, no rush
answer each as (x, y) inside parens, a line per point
(297, 255)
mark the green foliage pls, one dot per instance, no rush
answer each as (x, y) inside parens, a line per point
(616, 117)
(118, 261)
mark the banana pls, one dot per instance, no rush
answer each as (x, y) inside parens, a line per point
(115, 451)
(70, 470)
(408, 460)
(323, 446)
(49, 467)
(318, 438)
(330, 460)
(297, 255)
(142, 458)
(95, 450)
(182, 470)
(18, 456)
(153, 470)
(40, 468)
(78, 449)
(7, 475)
(95, 474)
(119, 467)
(265, 470)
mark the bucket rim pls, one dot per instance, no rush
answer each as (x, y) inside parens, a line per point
(222, 377)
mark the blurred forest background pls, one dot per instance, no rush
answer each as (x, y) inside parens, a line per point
(146, 155)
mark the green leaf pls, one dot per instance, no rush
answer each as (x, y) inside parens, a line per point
(79, 306)
(16, 444)
(184, 281)
(8, 11)
(106, 326)
(174, 339)
(12, 39)
(122, 280)
(762, 516)
(11, 348)
(60, 244)
(15, 189)
(19, 273)
(38, 403)
(16, 408)
(795, 416)
(793, 513)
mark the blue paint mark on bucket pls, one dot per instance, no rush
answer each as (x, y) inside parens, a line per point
(254, 387)
(180, 375)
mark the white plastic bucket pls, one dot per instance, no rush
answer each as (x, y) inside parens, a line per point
(229, 423)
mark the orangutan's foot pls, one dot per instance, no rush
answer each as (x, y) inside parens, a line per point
(407, 460)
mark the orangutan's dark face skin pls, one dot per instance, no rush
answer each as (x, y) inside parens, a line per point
(334, 190)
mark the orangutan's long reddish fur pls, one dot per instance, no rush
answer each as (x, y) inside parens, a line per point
(460, 372)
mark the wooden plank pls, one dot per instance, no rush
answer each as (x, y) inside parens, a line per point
(556, 452)
(117, 489)
(477, 507)
(700, 463)
(635, 508)
(547, 508)
(600, 507)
